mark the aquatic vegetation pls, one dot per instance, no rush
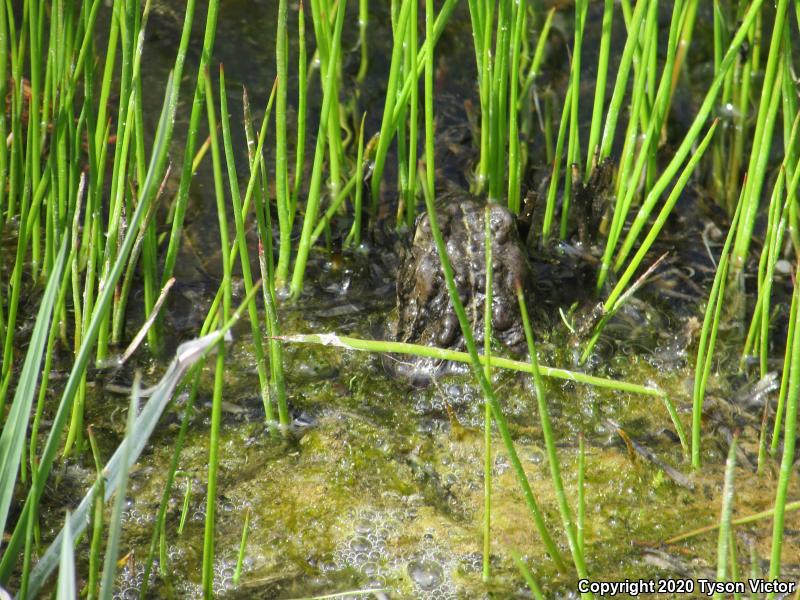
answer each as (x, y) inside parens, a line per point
(342, 477)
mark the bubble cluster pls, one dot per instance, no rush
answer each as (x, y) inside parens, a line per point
(374, 545)
(224, 570)
(472, 562)
(501, 464)
(131, 514)
(222, 582)
(426, 574)
(460, 397)
(367, 548)
(131, 576)
(430, 569)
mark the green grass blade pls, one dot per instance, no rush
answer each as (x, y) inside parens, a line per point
(707, 338)
(351, 343)
(155, 172)
(691, 136)
(66, 565)
(12, 439)
(725, 517)
(533, 586)
(787, 460)
(387, 126)
(600, 85)
(191, 138)
(281, 155)
(762, 138)
(550, 443)
(487, 413)
(313, 202)
(115, 521)
(186, 356)
(241, 241)
(660, 221)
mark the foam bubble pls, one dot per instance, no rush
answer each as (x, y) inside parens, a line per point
(425, 574)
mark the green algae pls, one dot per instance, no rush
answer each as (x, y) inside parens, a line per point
(379, 484)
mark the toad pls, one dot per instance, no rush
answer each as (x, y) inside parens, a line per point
(425, 314)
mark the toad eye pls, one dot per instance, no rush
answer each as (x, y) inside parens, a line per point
(500, 222)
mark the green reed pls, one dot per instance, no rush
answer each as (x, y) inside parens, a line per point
(241, 241)
(652, 127)
(302, 107)
(784, 388)
(237, 574)
(659, 185)
(741, 93)
(746, 520)
(778, 215)
(314, 190)
(552, 190)
(398, 93)
(363, 23)
(573, 144)
(708, 337)
(573, 537)
(762, 137)
(97, 521)
(101, 309)
(219, 372)
(323, 13)
(498, 95)
(4, 199)
(411, 181)
(603, 56)
(636, 122)
(500, 165)
(464, 323)
(620, 83)
(354, 236)
(198, 105)
(514, 159)
(402, 126)
(266, 257)
(487, 416)
(185, 509)
(614, 301)
(533, 585)
(725, 538)
(789, 435)
(281, 165)
(387, 128)
(351, 343)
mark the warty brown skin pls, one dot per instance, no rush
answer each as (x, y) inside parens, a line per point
(425, 314)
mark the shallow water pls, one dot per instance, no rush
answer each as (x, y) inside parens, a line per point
(379, 484)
